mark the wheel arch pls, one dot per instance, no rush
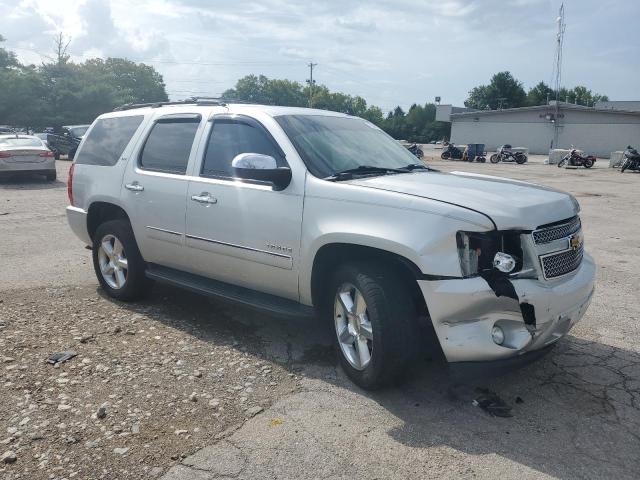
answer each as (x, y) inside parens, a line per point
(100, 212)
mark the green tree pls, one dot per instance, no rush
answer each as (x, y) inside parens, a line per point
(504, 91)
(540, 94)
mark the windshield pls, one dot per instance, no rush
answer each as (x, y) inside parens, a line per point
(329, 145)
(78, 131)
(20, 142)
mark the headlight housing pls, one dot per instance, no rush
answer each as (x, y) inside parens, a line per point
(483, 252)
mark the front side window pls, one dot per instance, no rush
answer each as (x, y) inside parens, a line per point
(229, 138)
(168, 146)
(331, 144)
(107, 140)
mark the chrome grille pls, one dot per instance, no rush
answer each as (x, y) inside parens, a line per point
(556, 232)
(561, 263)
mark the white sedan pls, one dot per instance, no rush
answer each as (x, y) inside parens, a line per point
(26, 154)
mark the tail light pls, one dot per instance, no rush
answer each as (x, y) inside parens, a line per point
(48, 154)
(70, 184)
(5, 155)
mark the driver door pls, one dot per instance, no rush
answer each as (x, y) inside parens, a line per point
(242, 232)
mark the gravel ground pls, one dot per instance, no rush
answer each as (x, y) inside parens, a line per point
(182, 378)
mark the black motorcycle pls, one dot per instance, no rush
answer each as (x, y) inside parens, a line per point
(574, 159)
(416, 150)
(631, 160)
(452, 152)
(505, 154)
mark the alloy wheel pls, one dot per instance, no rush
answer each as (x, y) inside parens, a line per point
(113, 262)
(353, 328)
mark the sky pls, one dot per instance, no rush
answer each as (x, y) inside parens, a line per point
(394, 52)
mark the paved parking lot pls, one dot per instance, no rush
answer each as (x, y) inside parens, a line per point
(194, 389)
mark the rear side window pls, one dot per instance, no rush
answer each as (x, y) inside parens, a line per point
(229, 138)
(107, 140)
(169, 144)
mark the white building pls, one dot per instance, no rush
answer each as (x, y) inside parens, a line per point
(598, 131)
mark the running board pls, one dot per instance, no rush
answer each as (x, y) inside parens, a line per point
(230, 293)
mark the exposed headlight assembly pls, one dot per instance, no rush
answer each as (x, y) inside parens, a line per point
(489, 251)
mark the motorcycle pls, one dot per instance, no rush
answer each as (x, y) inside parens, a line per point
(505, 154)
(574, 159)
(631, 160)
(452, 152)
(416, 150)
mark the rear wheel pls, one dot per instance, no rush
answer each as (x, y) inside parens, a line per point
(374, 318)
(521, 158)
(494, 158)
(117, 261)
(56, 155)
(419, 153)
(445, 155)
(588, 163)
(72, 154)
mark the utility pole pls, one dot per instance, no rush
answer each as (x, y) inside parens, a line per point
(311, 82)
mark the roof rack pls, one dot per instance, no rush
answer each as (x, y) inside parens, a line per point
(187, 101)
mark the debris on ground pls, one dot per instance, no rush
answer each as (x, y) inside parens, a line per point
(8, 457)
(519, 400)
(61, 357)
(491, 403)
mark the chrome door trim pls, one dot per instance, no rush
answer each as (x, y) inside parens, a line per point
(242, 247)
(163, 230)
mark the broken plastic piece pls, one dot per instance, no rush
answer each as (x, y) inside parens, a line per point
(491, 403)
(61, 357)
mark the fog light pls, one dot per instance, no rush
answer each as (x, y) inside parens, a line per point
(497, 334)
(504, 262)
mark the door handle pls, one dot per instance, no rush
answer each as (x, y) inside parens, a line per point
(134, 187)
(204, 197)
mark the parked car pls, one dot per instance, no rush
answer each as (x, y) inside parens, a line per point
(314, 213)
(66, 141)
(26, 153)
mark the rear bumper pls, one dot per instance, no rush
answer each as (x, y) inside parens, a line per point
(77, 219)
(464, 311)
(44, 167)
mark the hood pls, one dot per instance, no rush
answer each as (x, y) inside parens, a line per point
(511, 204)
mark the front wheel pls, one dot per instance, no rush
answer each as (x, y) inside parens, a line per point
(117, 261)
(374, 318)
(420, 154)
(494, 158)
(445, 155)
(562, 162)
(625, 165)
(521, 158)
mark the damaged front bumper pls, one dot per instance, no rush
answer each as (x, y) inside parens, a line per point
(464, 312)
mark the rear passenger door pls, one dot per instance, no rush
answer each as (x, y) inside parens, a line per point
(155, 187)
(245, 233)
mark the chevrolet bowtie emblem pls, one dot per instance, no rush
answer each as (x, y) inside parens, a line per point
(575, 241)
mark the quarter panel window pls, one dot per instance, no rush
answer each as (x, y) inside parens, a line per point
(107, 140)
(229, 138)
(168, 146)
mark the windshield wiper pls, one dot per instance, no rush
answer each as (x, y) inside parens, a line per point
(365, 170)
(416, 166)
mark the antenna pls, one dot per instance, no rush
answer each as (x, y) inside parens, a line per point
(557, 66)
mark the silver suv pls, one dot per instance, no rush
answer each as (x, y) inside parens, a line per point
(308, 212)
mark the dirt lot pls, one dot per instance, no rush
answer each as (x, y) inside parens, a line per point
(154, 382)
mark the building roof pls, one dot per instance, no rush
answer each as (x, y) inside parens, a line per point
(544, 108)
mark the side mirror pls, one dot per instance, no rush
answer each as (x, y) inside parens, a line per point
(264, 168)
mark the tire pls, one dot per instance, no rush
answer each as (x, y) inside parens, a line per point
(420, 154)
(521, 158)
(56, 155)
(387, 333)
(625, 165)
(135, 283)
(562, 162)
(482, 159)
(588, 163)
(71, 154)
(445, 155)
(494, 158)
(51, 177)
